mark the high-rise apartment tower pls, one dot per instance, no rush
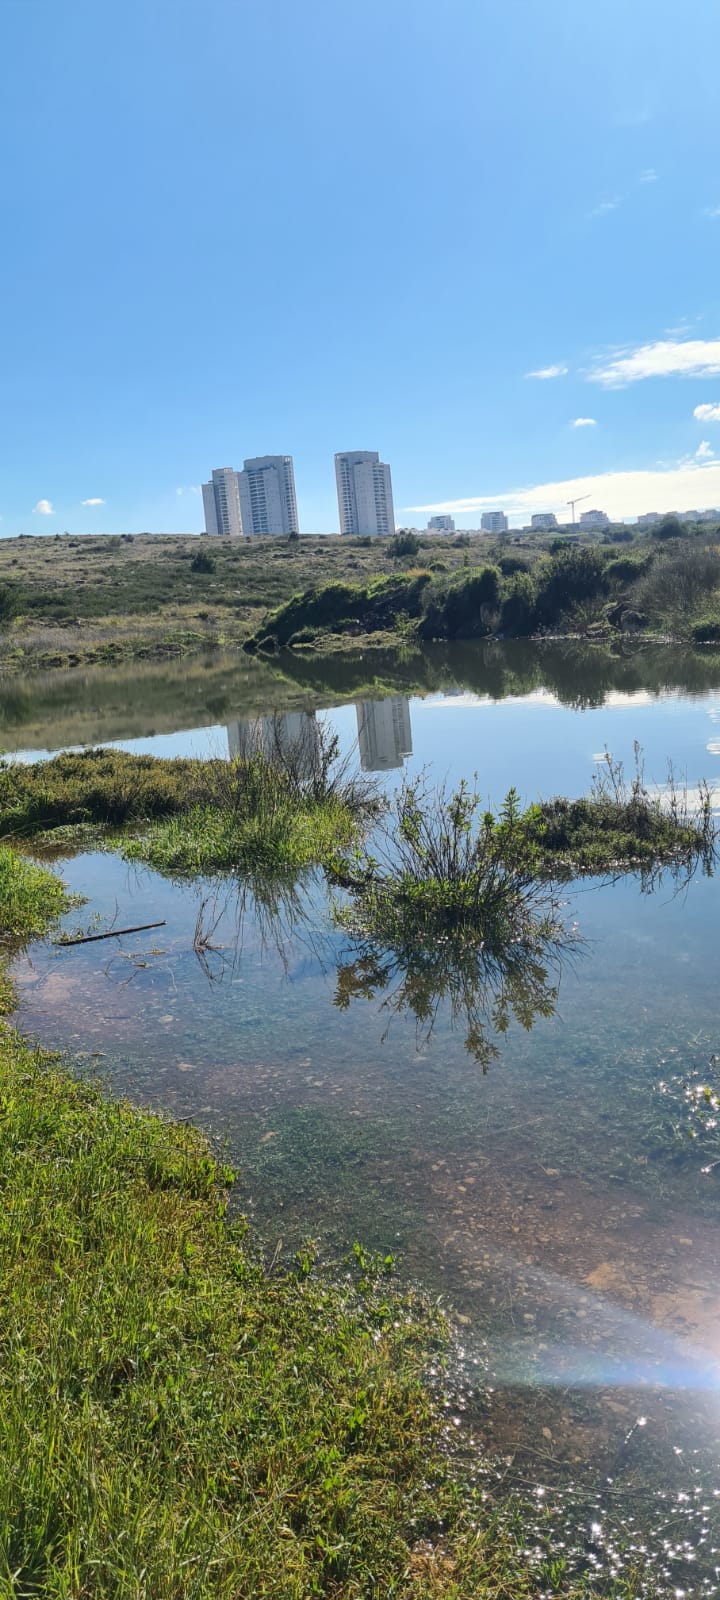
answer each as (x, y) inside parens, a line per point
(364, 493)
(267, 495)
(221, 503)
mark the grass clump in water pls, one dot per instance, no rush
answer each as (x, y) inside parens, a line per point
(450, 908)
(173, 1420)
(283, 833)
(282, 804)
(95, 786)
(622, 825)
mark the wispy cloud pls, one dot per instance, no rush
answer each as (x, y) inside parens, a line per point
(708, 413)
(188, 488)
(704, 451)
(666, 358)
(584, 422)
(548, 372)
(621, 494)
(712, 211)
(648, 175)
(95, 501)
(604, 207)
(44, 508)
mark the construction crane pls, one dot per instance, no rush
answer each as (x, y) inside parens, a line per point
(576, 502)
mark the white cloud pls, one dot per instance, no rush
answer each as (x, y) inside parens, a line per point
(584, 422)
(712, 211)
(707, 413)
(649, 175)
(44, 508)
(188, 488)
(665, 358)
(604, 208)
(622, 494)
(548, 372)
(704, 450)
(96, 501)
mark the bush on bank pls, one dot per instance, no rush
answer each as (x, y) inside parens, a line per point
(667, 587)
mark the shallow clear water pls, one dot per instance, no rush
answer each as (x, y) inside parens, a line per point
(556, 1201)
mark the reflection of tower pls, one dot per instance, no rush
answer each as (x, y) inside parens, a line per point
(292, 737)
(384, 733)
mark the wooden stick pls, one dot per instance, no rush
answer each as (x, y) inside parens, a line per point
(114, 933)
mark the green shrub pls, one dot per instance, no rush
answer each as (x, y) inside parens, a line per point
(568, 578)
(627, 569)
(511, 564)
(337, 607)
(405, 543)
(460, 609)
(9, 601)
(669, 528)
(203, 561)
(706, 631)
(517, 612)
(683, 578)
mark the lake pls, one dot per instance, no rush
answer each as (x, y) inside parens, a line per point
(560, 1189)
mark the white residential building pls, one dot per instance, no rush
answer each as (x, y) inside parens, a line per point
(267, 495)
(543, 522)
(441, 524)
(649, 518)
(221, 503)
(494, 522)
(384, 733)
(594, 519)
(364, 492)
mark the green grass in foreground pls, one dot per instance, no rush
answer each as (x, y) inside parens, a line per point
(175, 1422)
(30, 897)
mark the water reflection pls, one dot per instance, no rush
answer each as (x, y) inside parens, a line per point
(384, 736)
(46, 711)
(384, 733)
(482, 990)
(292, 737)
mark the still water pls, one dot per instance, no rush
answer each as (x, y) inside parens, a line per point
(557, 1200)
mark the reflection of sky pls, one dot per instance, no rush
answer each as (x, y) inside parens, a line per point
(530, 741)
(544, 748)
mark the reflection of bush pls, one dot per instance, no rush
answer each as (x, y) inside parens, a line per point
(484, 989)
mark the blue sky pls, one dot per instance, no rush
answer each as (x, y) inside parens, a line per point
(238, 227)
